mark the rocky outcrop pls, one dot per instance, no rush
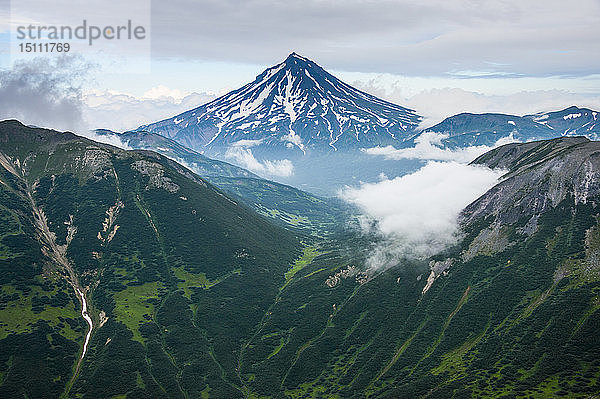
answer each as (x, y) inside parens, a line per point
(156, 174)
(539, 176)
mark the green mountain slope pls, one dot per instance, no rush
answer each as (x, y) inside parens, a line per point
(159, 254)
(288, 206)
(512, 311)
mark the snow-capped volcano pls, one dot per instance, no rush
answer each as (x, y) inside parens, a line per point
(295, 106)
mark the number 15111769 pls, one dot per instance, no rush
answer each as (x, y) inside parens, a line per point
(44, 47)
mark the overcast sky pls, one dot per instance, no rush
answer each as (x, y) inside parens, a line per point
(416, 38)
(439, 57)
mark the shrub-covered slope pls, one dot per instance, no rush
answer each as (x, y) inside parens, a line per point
(511, 311)
(166, 263)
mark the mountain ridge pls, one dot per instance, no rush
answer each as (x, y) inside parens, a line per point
(541, 174)
(287, 205)
(201, 164)
(471, 129)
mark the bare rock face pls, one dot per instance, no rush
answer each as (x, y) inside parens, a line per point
(92, 162)
(156, 174)
(489, 241)
(349, 272)
(540, 176)
(437, 268)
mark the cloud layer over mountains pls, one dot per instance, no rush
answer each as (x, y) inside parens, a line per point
(428, 146)
(416, 214)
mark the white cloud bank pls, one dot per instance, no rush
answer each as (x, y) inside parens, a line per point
(241, 154)
(121, 111)
(429, 146)
(417, 214)
(436, 99)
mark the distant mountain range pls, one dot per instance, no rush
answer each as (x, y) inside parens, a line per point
(464, 130)
(298, 106)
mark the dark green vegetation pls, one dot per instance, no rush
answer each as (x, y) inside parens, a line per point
(165, 259)
(195, 295)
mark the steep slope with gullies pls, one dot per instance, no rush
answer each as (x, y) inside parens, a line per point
(193, 295)
(120, 270)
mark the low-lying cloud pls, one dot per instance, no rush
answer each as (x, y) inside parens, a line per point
(417, 214)
(429, 146)
(241, 154)
(112, 139)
